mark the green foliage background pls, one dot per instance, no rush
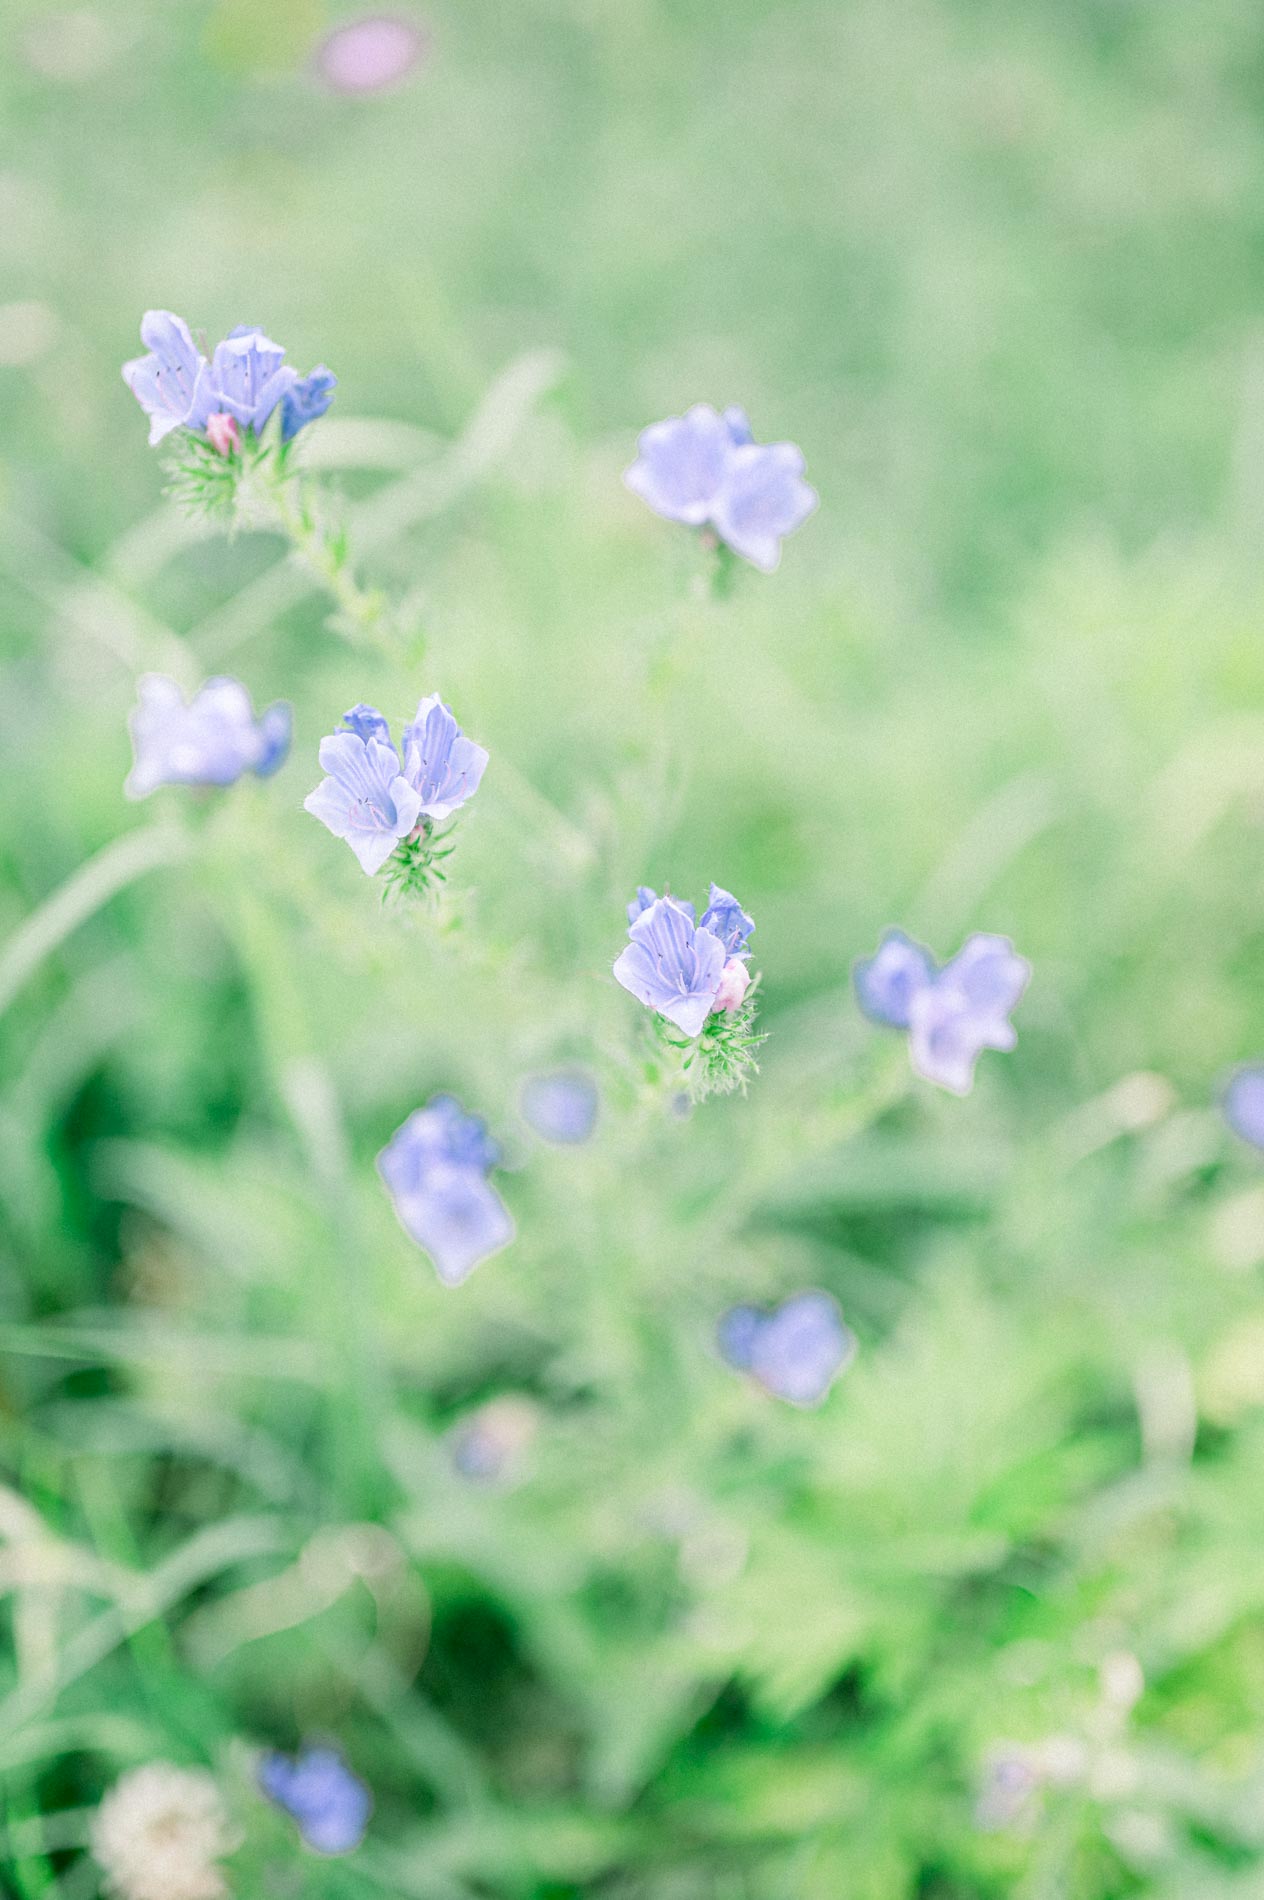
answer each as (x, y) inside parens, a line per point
(997, 266)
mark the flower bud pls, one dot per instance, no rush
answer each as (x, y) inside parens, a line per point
(734, 983)
(222, 432)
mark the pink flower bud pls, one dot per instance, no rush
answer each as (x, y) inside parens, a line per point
(734, 983)
(223, 433)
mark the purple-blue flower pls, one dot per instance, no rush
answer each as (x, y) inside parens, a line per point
(965, 1010)
(246, 378)
(645, 897)
(440, 761)
(374, 799)
(704, 469)
(1243, 1103)
(952, 1014)
(210, 741)
(365, 799)
(887, 982)
(725, 919)
(795, 1352)
(317, 1789)
(561, 1106)
(435, 1168)
(672, 965)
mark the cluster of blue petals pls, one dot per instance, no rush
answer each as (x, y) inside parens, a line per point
(375, 796)
(1243, 1103)
(795, 1352)
(317, 1789)
(705, 469)
(952, 1014)
(246, 378)
(435, 1168)
(674, 964)
(210, 740)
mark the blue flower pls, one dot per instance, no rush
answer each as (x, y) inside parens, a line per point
(645, 897)
(169, 382)
(210, 741)
(306, 401)
(318, 1790)
(795, 1352)
(702, 468)
(374, 800)
(440, 761)
(1243, 1103)
(672, 966)
(726, 919)
(365, 799)
(435, 1168)
(561, 1107)
(246, 378)
(952, 1014)
(965, 1010)
(887, 982)
(764, 499)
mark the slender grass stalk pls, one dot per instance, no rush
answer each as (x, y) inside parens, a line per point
(114, 867)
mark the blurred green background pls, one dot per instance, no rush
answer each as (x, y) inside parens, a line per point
(998, 268)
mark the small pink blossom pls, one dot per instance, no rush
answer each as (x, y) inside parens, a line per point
(734, 983)
(223, 433)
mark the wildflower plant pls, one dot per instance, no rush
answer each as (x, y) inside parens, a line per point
(952, 1013)
(706, 470)
(795, 1352)
(694, 977)
(391, 805)
(329, 1804)
(211, 740)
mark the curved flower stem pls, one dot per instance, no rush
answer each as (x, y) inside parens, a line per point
(325, 552)
(116, 865)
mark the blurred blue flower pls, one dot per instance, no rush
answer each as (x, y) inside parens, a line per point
(887, 982)
(1243, 1103)
(965, 1010)
(435, 1168)
(763, 499)
(365, 799)
(488, 1446)
(795, 1352)
(952, 1014)
(367, 723)
(440, 761)
(246, 378)
(683, 463)
(703, 468)
(561, 1106)
(726, 919)
(317, 1789)
(671, 965)
(210, 741)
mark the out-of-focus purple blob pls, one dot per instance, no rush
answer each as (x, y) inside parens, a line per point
(1243, 1103)
(1007, 1789)
(561, 1106)
(887, 982)
(435, 1168)
(795, 1352)
(374, 54)
(736, 1335)
(318, 1790)
(965, 1010)
(210, 741)
(488, 1447)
